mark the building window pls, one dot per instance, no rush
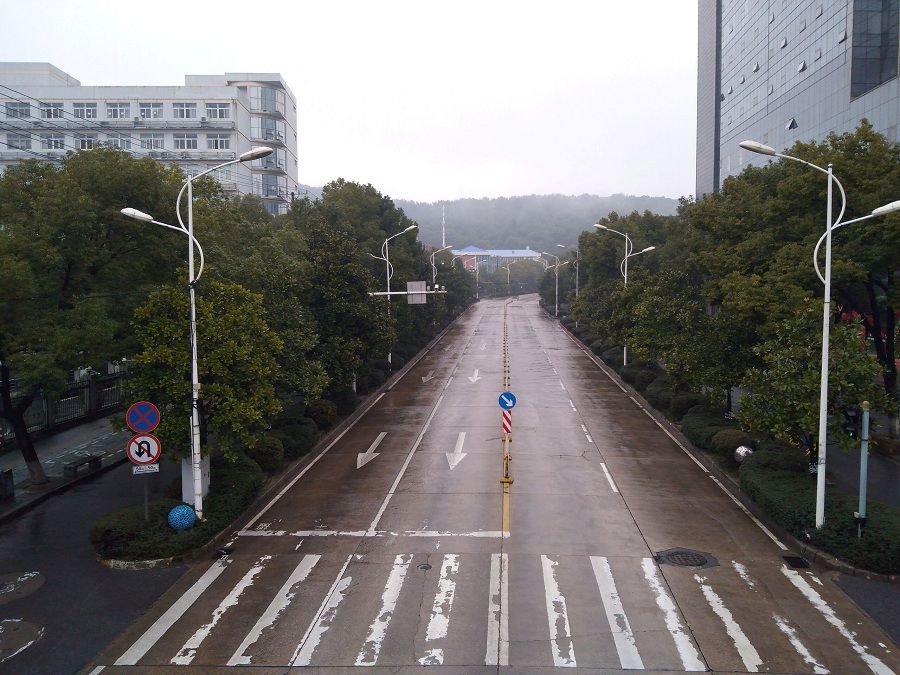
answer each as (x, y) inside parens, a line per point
(218, 111)
(151, 111)
(118, 111)
(876, 37)
(18, 110)
(51, 111)
(218, 142)
(185, 141)
(151, 141)
(267, 129)
(18, 141)
(266, 99)
(184, 111)
(85, 141)
(85, 111)
(119, 141)
(53, 142)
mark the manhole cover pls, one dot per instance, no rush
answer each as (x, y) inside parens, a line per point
(685, 557)
(14, 586)
(424, 566)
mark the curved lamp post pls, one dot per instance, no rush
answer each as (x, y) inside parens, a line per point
(556, 274)
(623, 268)
(434, 267)
(255, 153)
(389, 269)
(830, 226)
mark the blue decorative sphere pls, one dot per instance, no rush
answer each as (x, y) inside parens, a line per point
(182, 517)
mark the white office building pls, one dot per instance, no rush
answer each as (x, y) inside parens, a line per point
(45, 113)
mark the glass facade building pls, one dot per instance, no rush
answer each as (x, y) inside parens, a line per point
(779, 71)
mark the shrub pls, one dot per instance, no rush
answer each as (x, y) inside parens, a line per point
(613, 357)
(293, 410)
(598, 346)
(788, 497)
(684, 401)
(728, 440)
(125, 535)
(298, 439)
(268, 453)
(702, 422)
(659, 393)
(398, 362)
(382, 365)
(323, 413)
(644, 379)
(630, 372)
(345, 400)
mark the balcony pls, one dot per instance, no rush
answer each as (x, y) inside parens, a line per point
(186, 155)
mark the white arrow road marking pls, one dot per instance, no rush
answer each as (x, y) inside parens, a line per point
(364, 458)
(483, 346)
(428, 377)
(474, 377)
(455, 457)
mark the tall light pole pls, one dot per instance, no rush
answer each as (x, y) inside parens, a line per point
(830, 226)
(577, 265)
(623, 268)
(433, 266)
(255, 153)
(556, 274)
(389, 269)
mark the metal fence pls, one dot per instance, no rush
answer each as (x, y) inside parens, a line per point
(83, 400)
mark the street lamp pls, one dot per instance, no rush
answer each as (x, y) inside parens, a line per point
(623, 268)
(389, 269)
(255, 153)
(577, 267)
(830, 226)
(556, 271)
(433, 266)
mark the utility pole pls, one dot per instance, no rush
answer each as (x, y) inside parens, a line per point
(443, 230)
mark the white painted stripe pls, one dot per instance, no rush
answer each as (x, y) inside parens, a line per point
(798, 646)
(480, 534)
(687, 651)
(323, 619)
(368, 655)
(750, 515)
(874, 663)
(439, 623)
(97, 670)
(572, 404)
(187, 653)
(497, 653)
(561, 644)
(609, 477)
(676, 441)
(554, 372)
(279, 603)
(562, 386)
(171, 615)
(745, 648)
(409, 456)
(743, 573)
(622, 634)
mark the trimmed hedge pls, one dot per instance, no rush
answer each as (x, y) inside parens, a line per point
(613, 357)
(383, 365)
(323, 413)
(702, 422)
(727, 441)
(683, 401)
(345, 400)
(397, 362)
(659, 393)
(298, 439)
(644, 379)
(125, 535)
(268, 453)
(789, 497)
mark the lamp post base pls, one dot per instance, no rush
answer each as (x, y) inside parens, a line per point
(187, 479)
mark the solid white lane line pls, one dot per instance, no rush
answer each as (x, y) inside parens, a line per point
(675, 440)
(323, 618)
(874, 663)
(387, 498)
(573, 405)
(798, 646)
(279, 603)
(368, 655)
(308, 466)
(750, 515)
(745, 648)
(615, 615)
(561, 644)
(497, 653)
(609, 477)
(171, 615)
(562, 386)
(690, 657)
(189, 650)
(439, 623)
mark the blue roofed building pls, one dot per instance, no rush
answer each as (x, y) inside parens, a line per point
(490, 260)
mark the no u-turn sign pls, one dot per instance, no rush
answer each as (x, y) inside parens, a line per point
(143, 449)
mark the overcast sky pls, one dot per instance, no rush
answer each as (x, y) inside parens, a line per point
(425, 100)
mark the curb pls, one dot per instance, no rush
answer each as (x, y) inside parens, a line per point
(275, 483)
(59, 489)
(807, 551)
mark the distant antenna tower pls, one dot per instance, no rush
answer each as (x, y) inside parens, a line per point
(443, 232)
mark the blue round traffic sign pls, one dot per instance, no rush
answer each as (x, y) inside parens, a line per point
(507, 400)
(142, 417)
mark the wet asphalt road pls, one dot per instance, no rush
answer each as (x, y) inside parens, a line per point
(390, 550)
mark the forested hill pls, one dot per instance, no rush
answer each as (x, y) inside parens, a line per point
(538, 221)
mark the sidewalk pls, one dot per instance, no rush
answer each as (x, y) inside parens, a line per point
(92, 438)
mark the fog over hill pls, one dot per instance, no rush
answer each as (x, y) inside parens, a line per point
(535, 221)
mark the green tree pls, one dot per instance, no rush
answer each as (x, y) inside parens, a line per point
(237, 357)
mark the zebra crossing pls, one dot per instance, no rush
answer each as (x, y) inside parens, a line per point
(477, 609)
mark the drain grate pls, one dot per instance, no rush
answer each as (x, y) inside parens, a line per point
(686, 557)
(424, 566)
(796, 562)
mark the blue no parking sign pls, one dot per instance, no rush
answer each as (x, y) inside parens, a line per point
(507, 400)
(142, 417)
